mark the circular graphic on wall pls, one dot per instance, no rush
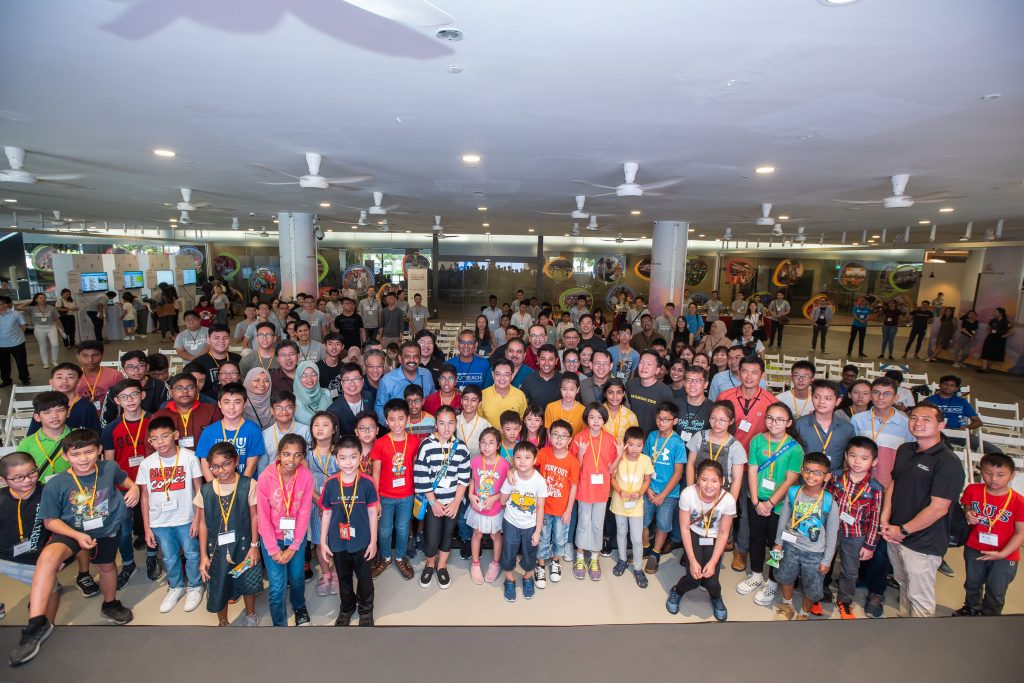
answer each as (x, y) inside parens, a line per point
(642, 268)
(226, 265)
(567, 299)
(195, 253)
(385, 289)
(787, 273)
(358, 278)
(264, 280)
(321, 268)
(609, 268)
(42, 258)
(414, 260)
(904, 277)
(696, 270)
(739, 271)
(559, 268)
(812, 302)
(852, 275)
(611, 297)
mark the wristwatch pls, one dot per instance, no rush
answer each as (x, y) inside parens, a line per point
(904, 531)
(254, 544)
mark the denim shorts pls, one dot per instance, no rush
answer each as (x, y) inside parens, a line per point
(21, 573)
(665, 514)
(517, 544)
(796, 562)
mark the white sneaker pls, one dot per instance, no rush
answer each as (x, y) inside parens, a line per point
(540, 575)
(766, 596)
(171, 599)
(556, 571)
(753, 583)
(193, 597)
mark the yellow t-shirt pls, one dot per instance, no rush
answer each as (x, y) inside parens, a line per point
(629, 476)
(555, 411)
(622, 421)
(492, 405)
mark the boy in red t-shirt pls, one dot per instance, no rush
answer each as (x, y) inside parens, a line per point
(561, 471)
(393, 456)
(996, 515)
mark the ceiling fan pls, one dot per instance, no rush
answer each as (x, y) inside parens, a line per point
(899, 199)
(59, 221)
(631, 188)
(313, 179)
(578, 213)
(619, 239)
(376, 209)
(778, 233)
(592, 225)
(412, 12)
(438, 229)
(16, 174)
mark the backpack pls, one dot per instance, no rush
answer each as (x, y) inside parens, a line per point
(959, 529)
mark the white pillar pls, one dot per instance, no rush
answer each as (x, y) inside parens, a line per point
(668, 265)
(298, 254)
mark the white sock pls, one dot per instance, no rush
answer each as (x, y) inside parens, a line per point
(788, 602)
(757, 576)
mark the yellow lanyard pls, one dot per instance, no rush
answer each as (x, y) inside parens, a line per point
(629, 475)
(771, 468)
(597, 452)
(226, 514)
(224, 432)
(81, 489)
(324, 464)
(135, 439)
(800, 409)
(708, 517)
(270, 361)
(491, 475)
(348, 507)
(21, 528)
(824, 442)
(846, 482)
(874, 434)
(984, 504)
(50, 461)
(168, 478)
(277, 438)
(184, 420)
(92, 387)
(711, 447)
(657, 448)
(793, 521)
(286, 495)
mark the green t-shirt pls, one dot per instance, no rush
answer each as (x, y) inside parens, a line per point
(46, 452)
(791, 460)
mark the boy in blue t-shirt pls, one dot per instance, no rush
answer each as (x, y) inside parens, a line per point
(244, 435)
(348, 532)
(861, 312)
(667, 451)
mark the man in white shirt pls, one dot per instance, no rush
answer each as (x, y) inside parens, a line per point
(522, 318)
(665, 323)
(634, 315)
(418, 314)
(492, 313)
(799, 397)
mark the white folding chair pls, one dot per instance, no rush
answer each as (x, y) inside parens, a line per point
(962, 449)
(772, 358)
(170, 353)
(1003, 425)
(793, 359)
(915, 379)
(1012, 408)
(1013, 446)
(16, 429)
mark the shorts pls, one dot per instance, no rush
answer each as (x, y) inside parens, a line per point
(22, 573)
(665, 514)
(104, 553)
(796, 562)
(485, 524)
(518, 544)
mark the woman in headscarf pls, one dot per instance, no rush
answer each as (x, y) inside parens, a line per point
(257, 389)
(715, 338)
(310, 397)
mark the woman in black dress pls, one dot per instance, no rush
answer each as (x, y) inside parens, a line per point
(994, 347)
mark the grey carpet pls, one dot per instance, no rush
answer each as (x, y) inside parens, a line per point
(904, 650)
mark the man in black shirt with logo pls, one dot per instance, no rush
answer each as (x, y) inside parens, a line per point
(920, 319)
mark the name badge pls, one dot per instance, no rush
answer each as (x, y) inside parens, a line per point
(628, 504)
(47, 478)
(286, 524)
(135, 461)
(43, 320)
(768, 484)
(847, 518)
(706, 540)
(21, 548)
(97, 405)
(596, 479)
(685, 436)
(988, 539)
(187, 442)
(168, 505)
(745, 426)
(192, 346)
(788, 537)
(346, 532)
(226, 538)
(397, 482)
(94, 523)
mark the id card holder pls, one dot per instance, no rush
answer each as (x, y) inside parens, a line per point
(226, 538)
(596, 479)
(788, 537)
(988, 539)
(847, 518)
(706, 540)
(97, 405)
(168, 505)
(94, 523)
(685, 436)
(187, 442)
(135, 461)
(346, 532)
(21, 548)
(286, 524)
(628, 504)
(397, 482)
(768, 484)
(744, 425)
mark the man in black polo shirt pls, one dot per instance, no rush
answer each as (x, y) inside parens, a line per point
(216, 353)
(645, 392)
(350, 325)
(926, 479)
(542, 385)
(590, 336)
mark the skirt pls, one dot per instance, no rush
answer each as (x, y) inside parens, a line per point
(485, 524)
(313, 534)
(994, 348)
(223, 587)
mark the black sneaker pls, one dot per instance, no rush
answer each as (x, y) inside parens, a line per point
(308, 572)
(426, 576)
(302, 617)
(966, 611)
(87, 585)
(35, 632)
(153, 568)
(344, 619)
(443, 579)
(116, 612)
(366, 619)
(125, 575)
(465, 551)
(891, 582)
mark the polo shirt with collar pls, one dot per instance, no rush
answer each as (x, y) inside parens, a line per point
(393, 384)
(11, 333)
(917, 477)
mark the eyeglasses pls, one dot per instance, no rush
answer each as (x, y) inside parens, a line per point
(157, 438)
(664, 418)
(221, 466)
(130, 397)
(693, 380)
(18, 478)
(412, 400)
(571, 361)
(777, 419)
(366, 429)
(265, 335)
(351, 380)
(465, 342)
(135, 366)
(813, 473)
(560, 436)
(187, 389)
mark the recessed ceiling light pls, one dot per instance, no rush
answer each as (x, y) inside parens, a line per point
(529, 230)
(481, 208)
(449, 35)
(11, 201)
(408, 231)
(566, 234)
(947, 209)
(991, 96)
(836, 3)
(700, 235)
(923, 222)
(783, 218)
(172, 220)
(874, 237)
(855, 244)
(764, 170)
(643, 237)
(691, 230)
(355, 227)
(487, 233)
(164, 153)
(471, 158)
(634, 212)
(325, 205)
(486, 225)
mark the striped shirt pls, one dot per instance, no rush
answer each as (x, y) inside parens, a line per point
(432, 459)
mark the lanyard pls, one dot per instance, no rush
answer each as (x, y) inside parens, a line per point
(405, 446)
(492, 475)
(826, 441)
(597, 451)
(984, 504)
(874, 434)
(747, 404)
(93, 385)
(286, 495)
(323, 465)
(133, 439)
(509, 451)
(185, 418)
(711, 448)
(270, 361)
(800, 408)
(277, 439)
(50, 461)
(81, 489)
(629, 475)
(793, 521)
(226, 514)
(771, 468)
(348, 507)
(168, 478)
(708, 517)
(657, 448)
(21, 528)
(472, 428)
(224, 432)
(846, 482)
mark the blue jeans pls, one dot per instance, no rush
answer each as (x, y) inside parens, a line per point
(888, 338)
(465, 531)
(171, 540)
(555, 533)
(281, 576)
(394, 517)
(666, 515)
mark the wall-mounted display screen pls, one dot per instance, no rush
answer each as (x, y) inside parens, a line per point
(165, 276)
(95, 282)
(133, 279)
(188, 276)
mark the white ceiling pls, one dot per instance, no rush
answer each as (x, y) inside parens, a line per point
(836, 98)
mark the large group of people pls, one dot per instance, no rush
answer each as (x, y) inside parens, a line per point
(332, 450)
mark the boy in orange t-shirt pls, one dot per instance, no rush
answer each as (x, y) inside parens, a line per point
(561, 471)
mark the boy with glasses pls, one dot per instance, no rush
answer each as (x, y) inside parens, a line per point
(190, 416)
(263, 354)
(282, 408)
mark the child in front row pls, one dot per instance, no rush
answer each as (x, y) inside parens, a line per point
(511, 429)
(599, 454)
(83, 509)
(808, 526)
(484, 514)
(229, 546)
(629, 483)
(348, 532)
(996, 515)
(522, 494)
(859, 499)
(392, 458)
(706, 513)
(322, 464)
(561, 472)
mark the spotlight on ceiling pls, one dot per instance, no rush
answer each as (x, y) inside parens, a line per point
(167, 153)
(764, 170)
(471, 158)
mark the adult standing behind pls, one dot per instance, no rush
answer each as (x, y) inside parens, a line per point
(66, 309)
(581, 308)
(859, 327)
(538, 336)
(431, 357)
(994, 348)
(257, 391)
(492, 313)
(964, 337)
(369, 311)
(46, 326)
(778, 312)
(216, 354)
(587, 336)
(890, 326)
(12, 343)
(391, 320)
(755, 318)
(221, 304)
(484, 340)
(645, 392)
(319, 325)
(694, 325)
(694, 407)
(352, 401)
(283, 376)
(501, 395)
(926, 478)
(665, 323)
(417, 314)
(393, 384)
(713, 339)
(310, 397)
(749, 399)
(713, 309)
(96, 309)
(920, 321)
(350, 325)
(469, 367)
(309, 349)
(522, 318)
(592, 386)
(330, 364)
(515, 353)
(635, 315)
(193, 341)
(541, 387)
(944, 338)
(730, 378)
(263, 355)
(373, 363)
(738, 309)
(645, 336)
(821, 318)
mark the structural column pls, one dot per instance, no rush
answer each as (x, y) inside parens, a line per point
(298, 254)
(668, 264)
